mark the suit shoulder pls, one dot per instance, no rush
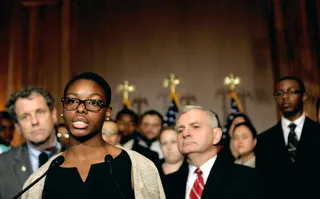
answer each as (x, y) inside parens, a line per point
(138, 158)
(312, 123)
(265, 134)
(10, 154)
(7, 159)
(242, 169)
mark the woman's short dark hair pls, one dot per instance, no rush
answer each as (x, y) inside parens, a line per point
(249, 126)
(93, 77)
(233, 116)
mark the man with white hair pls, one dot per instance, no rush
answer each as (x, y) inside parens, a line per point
(208, 176)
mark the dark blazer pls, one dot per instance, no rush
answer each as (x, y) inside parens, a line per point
(152, 155)
(281, 177)
(225, 181)
(15, 168)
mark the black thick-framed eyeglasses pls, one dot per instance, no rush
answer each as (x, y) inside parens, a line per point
(92, 105)
(290, 92)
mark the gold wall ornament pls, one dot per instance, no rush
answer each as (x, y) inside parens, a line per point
(171, 81)
(140, 101)
(125, 88)
(231, 81)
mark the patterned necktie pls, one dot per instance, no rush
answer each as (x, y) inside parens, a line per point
(43, 158)
(292, 142)
(198, 186)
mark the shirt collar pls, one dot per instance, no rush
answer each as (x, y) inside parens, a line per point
(35, 153)
(298, 130)
(205, 168)
(299, 122)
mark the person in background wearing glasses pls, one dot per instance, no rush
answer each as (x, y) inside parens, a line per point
(34, 114)
(110, 132)
(94, 168)
(6, 131)
(288, 154)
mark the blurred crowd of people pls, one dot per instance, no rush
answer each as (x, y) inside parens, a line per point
(189, 160)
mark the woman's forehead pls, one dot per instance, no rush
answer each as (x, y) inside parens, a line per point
(86, 87)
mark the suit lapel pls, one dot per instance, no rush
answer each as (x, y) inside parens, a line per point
(306, 131)
(307, 142)
(183, 175)
(216, 181)
(22, 167)
(278, 133)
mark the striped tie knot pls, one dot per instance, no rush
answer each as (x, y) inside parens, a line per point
(198, 172)
(292, 126)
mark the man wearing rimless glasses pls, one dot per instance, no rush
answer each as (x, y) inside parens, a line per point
(287, 155)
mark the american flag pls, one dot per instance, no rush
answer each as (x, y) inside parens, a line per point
(173, 109)
(235, 107)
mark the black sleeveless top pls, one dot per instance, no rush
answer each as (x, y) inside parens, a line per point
(66, 182)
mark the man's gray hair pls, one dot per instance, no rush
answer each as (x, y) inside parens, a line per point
(212, 117)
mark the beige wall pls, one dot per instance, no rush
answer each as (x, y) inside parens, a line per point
(201, 42)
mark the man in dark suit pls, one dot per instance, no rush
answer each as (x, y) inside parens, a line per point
(207, 176)
(33, 112)
(287, 155)
(146, 142)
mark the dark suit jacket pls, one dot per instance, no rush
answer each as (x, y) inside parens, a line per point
(152, 155)
(226, 180)
(281, 177)
(15, 168)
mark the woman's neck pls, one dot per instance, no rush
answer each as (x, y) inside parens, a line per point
(91, 149)
(171, 167)
(246, 157)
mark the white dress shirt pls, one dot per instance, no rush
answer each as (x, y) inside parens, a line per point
(34, 154)
(298, 130)
(155, 146)
(192, 176)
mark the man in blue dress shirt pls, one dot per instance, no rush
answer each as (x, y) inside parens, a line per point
(34, 114)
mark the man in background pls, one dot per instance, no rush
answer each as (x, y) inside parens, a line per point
(207, 176)
(147, 141)
(287, 154)
(127, 121)
(34, 114)
(6, 131)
